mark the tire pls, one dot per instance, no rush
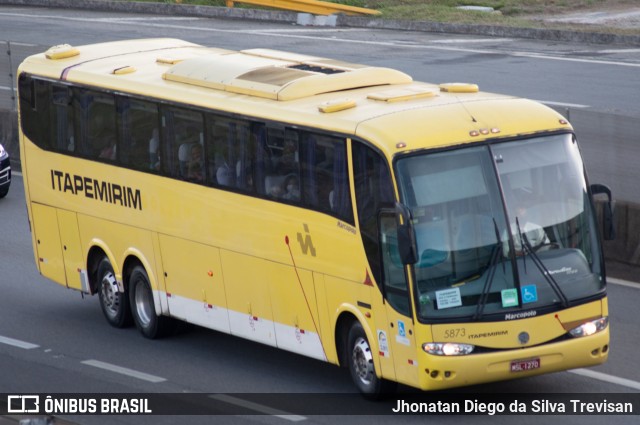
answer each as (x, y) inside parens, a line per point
(143, 309)
(114, 304)
(362, 367)
(4, 191)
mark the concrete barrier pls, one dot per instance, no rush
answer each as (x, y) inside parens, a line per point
(625, 248)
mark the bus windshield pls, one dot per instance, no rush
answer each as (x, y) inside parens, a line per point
(521, 238)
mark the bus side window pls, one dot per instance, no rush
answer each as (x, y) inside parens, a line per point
(139, 134)
(97, 117)
(62, 124)
(183, 133)
(324, 174)
(35, 110)
(282, 182)
(373, 189)
(231, 148)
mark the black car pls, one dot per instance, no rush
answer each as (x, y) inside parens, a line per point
(5, 172)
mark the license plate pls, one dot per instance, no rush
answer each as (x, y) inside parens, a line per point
(524, 365)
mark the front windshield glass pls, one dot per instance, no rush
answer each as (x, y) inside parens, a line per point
(474, 260)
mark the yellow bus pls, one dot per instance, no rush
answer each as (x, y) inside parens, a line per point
(431, 235)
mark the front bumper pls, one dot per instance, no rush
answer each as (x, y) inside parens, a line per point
(440, 372)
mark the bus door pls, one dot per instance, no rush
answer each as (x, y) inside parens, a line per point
(378, 229)
(400, 332)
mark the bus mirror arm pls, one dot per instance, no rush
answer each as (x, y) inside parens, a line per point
(407, 246)
(608, 224)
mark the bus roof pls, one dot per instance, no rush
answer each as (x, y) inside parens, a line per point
(382, 105)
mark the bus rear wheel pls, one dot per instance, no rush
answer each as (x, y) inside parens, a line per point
(362, 367)
(114, 304)
(143, 309)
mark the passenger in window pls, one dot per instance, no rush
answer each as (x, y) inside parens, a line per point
(109, 151)
(291, 188)
(274, 187)
(327, 163)
(288, 162)
(224, 174)
(244, 175)
(154, 150)
(195, 168)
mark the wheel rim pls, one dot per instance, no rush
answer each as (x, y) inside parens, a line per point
(362, 361)
(110, 294)
(143, 304)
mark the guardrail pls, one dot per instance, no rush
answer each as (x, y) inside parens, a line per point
(315, 7)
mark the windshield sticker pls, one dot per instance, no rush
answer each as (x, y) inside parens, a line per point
(401, 338)
(383, 345)
(448, 298)
(529, 294)
(509, 297)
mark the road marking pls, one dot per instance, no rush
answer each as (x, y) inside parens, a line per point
(622, 282)
(570, 105)
(258, 407)
(473, 40)
(17, 343)
(609, 51)
(17, 43)
(6, 88)
(606, 378)
(307, 30)
(145, 19)
(124, 371)
(529, 55)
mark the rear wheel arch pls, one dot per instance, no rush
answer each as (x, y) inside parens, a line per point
(145, 310)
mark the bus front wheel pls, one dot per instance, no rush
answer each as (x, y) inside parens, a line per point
(148, 323)
(114, 304)
(362, 367)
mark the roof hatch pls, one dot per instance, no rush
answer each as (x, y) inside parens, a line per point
(403, 94)
(61, 51)
(279, 75)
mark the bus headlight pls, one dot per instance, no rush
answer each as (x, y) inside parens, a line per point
(590, 328)
(447, 348)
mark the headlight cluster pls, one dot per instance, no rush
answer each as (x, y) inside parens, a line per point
(447, 348)
(3, 153)
(590, 328)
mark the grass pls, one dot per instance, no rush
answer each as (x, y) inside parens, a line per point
(522, 13)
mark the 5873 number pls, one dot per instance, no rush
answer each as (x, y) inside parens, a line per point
(454, 333)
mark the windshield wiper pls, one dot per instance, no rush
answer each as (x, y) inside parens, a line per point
(541, 267)
(492, 271)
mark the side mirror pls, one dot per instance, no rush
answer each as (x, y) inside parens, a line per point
(407, 246)
(608, 225)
